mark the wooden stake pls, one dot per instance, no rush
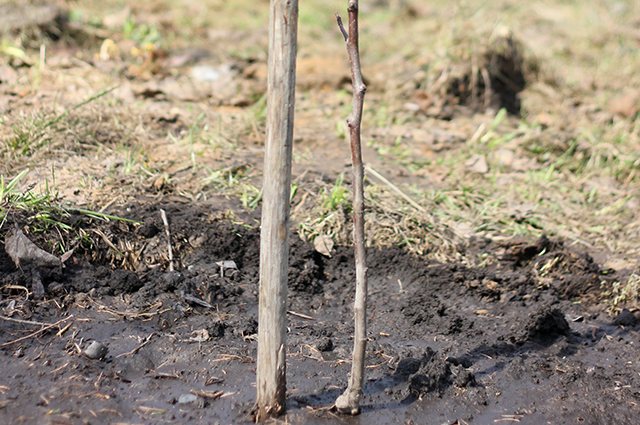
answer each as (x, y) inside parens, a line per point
(274, 248)
(349, 401)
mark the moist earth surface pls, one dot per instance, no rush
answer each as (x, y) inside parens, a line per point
(448, 343)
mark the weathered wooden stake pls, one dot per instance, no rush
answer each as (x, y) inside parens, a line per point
(274, 248)
(349, 401)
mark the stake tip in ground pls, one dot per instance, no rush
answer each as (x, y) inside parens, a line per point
(347, 405)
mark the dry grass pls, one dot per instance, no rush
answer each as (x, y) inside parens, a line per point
(626, 294)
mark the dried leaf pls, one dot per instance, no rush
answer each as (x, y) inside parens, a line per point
(25, 253)
(67, 255)
(323, 244)
(227, 265)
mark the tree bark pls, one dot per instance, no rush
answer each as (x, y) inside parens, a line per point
(274, 248)
(349, 401)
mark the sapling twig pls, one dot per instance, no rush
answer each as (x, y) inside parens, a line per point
(349, 401)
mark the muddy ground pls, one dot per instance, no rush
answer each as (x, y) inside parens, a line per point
(448, 343)
(502, 145)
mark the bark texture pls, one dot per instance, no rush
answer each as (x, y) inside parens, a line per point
(349, 401)
(274, 248)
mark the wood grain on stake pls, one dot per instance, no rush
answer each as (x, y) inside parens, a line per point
(274, 248)
(349, 401)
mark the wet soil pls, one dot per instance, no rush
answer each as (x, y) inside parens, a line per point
(521, 338)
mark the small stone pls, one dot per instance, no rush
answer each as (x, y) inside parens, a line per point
(187, 398)
(96, 350)
(626, 104)
(477, 164)
(210, 73)
(504, 157)
(200, 335)
(411, 106)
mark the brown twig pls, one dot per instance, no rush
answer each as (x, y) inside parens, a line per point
(211, 395)
(395, 188)
(349, 401)
(39, 331)
(131, 314)
(165, 222)
(150, 410)
(135, 350)
(300, 315)
(106, 240)
(63, 330)
(24, 322)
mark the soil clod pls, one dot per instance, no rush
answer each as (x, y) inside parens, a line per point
(433, 374)
(543, 325)
(325, 344)
(626, 318)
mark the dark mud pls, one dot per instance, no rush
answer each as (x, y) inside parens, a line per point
(520, 339)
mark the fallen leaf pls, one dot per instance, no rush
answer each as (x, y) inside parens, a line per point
(23, 252)
(159, 182)
(66, 255)
(227, 264)
(323, 244)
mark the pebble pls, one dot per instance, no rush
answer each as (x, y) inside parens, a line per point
(96, 350)
(187, 398)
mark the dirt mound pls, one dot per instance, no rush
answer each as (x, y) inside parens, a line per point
(479, 77)
(17, 17)
(432, 374)
(29, 24)
(544, 325)
(131, 257)
(128, 257)
(551, 264)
